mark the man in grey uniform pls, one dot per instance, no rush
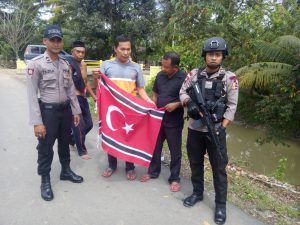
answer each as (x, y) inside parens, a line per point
(219, 88)
(51, 114)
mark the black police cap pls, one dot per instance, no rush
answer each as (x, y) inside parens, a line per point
(52, 31)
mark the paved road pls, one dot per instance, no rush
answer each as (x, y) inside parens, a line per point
(113, 201)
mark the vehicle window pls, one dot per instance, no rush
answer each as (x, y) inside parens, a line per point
(35, 50)
(43, 49)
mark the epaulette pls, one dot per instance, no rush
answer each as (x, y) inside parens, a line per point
(37, 57)
(65, 60)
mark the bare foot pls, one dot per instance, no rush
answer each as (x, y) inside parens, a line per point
(131, 175)
(175, 186)
(86, 157)
(145, 177)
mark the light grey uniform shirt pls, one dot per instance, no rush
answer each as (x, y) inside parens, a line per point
(230, 84)
(54, 83)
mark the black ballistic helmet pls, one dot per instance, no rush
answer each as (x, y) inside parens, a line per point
(215, 44)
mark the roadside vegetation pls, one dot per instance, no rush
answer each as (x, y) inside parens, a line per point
(255, 196)
(264, 51)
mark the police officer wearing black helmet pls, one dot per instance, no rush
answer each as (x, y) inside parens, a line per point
(220, 93)
(51, 112)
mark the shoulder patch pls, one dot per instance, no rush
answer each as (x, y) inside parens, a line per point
(188, 76)
(233, 77)
(30, 71)
(234, 85)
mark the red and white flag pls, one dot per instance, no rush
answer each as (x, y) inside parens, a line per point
(129, 126)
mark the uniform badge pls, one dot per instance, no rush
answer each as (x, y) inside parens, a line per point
(208, 84)
(188, 77)
(234, 85)
(30, 71)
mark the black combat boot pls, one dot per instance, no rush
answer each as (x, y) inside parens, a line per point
(68, 174)
(46, 191)
(220, 215)
(192, 200)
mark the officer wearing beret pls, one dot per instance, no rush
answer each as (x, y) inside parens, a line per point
(51, 113)
(220, 93)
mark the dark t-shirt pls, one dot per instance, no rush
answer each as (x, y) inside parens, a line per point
(168, 91)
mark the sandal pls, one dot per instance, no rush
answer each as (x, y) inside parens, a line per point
(108, 172)
(131, 175)
(175, 186)
(145, 177)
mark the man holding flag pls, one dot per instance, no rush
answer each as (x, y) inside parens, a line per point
(128, 76)
(166, 89)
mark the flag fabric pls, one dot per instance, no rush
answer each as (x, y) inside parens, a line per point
(129, 126)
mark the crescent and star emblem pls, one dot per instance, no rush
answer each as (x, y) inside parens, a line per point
(111, 109)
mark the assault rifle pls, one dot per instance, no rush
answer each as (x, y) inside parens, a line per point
(195, 93)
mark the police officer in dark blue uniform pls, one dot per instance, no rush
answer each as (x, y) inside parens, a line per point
(219, 88)
(51, 114)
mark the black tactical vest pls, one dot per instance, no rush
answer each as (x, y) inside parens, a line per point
(214, 94)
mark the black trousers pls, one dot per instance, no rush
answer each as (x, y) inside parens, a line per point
(112, 163)
(58, 125)
(198, 143)
(86, 124)
(173, 135)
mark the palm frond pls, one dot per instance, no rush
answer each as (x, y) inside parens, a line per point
(262, 75)
(275, 53)
(288, 42)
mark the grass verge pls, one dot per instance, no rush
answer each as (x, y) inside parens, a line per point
(268, 204)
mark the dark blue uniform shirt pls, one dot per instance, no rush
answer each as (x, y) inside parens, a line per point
(168, 91)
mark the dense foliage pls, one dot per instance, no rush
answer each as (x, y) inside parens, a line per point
(261, 36)
(276, 82)
(99, 22)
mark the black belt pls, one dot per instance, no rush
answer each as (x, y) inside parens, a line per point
(56, 106)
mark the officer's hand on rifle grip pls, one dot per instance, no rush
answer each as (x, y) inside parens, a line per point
(193, 110)
(220, 130)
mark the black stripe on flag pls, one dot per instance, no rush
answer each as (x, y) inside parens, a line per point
(125, 149)
(128, 102)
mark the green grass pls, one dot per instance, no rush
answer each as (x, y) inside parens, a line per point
(248, 192)
(92, 105)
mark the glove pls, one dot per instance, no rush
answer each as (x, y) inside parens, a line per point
(193, 110)
(220, 130)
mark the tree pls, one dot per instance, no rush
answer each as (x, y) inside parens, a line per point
(277, 81)
(279, 59)
(17, 23)
(99, 22)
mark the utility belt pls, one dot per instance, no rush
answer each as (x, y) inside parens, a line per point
(55, 106)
